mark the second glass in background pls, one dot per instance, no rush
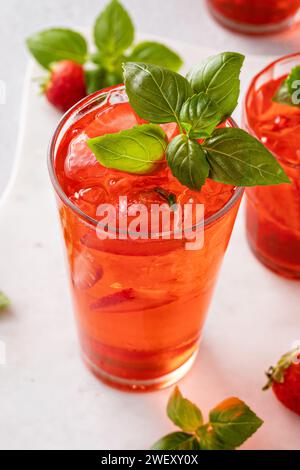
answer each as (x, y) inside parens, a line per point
(273, 212)
(255, 16)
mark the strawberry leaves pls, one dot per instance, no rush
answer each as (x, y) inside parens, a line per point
(230, 424)
(276, 374)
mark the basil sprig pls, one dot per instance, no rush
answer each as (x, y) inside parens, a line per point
(289, 90)
(230, 424)
(197, 104)
(114, 35)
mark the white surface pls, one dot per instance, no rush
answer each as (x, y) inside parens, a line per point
(186, 20)
(48, 399)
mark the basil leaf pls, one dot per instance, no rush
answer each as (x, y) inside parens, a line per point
(54, 45)
(237, 158)
(233, 422)
(187, 161)
(94, 80)
(4, 301)
(177, 441)
(138, 150)
(155, 53)
(293, 83)
(218, 77)
(210, 441)
(113, 30)
(201, 114)
(183, 412)
(289, 91)
(155, 93)
(99, 78)
(283, 95)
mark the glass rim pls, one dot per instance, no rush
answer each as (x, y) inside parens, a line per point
(68, 116)
(250, 91)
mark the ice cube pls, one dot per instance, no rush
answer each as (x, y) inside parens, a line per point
(85, 272)
(89, 199)
(113, 119)
(81, 164)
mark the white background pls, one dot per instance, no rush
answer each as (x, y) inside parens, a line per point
(186, 20)
(47, 397)
(49, 400)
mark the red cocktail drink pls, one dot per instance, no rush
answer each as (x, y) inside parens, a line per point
(140, 304)
(273, 213)
(255, 16)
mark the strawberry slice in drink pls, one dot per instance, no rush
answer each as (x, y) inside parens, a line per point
(113, 300)
(133, 300)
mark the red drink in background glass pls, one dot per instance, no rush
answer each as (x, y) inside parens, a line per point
(140, 304)
(255, 16)
(273, 213)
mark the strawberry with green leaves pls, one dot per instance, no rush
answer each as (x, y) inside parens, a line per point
(66, 85)
(230, 424)
(76, 72)
(284, 379)
(62, 52)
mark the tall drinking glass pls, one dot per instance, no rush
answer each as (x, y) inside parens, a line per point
(140, 304)
(273, 212)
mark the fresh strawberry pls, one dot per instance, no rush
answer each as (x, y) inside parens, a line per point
(66, 84)
(285, 380)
